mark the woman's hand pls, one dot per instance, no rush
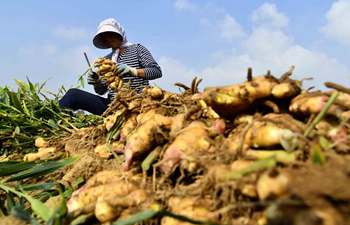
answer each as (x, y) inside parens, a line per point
(123, 69)
(92, 77)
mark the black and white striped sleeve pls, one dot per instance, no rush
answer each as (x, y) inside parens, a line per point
(151, 67)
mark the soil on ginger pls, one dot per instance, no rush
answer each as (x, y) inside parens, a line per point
(230, 155)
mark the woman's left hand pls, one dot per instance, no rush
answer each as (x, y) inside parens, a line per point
(123, 70)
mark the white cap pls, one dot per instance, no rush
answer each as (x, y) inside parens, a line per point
(108, 25)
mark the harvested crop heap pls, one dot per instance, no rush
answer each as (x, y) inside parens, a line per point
(261, 152)
(106, 69)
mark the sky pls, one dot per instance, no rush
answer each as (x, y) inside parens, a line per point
(216, 40)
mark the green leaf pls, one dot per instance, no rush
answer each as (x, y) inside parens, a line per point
(325, 143)
(80, 180)
(22, 86)
(10, 201)
(146, 164)
(114, 132)
(281, 156)
(11, 167)
(37, 206)
(41, 86)
(322, 113)
(82, 219)
(15, 101)
(25, 109)
(33, 90)
(59, 212)
(149, 214)
(52, 123)
(20, 212)
(41, 169)
(17, 130)
(6, 96)
(81, 81)
(35, 113)
(137, 218)
(254, 167)
(317, 155)
(35, 187)
(185, 218)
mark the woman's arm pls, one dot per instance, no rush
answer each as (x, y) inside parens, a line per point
(151, 68)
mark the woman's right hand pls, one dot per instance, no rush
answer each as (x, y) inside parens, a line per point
(92, 77)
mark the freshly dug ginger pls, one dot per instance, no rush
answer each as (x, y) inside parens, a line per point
(84, 200)
(107, 71)
(129, 125)
(236, 140)
(154, 92)
(105, 212)
(219, 172)
(191, 141)
(207, 110)
(286, 121)
(110, 176)
(313, 103)
(265, 135)
(103, 151)
(286, 89)
(190, 207)
(110, 120)
(107, 194)
(232, 99)
(108, 208)
(343, 99)
(104, 66)
(143, 117)
(42, 154)
(272, 184)
(266, 132)
(118, 147)
(84, 168)
(144, 138)
(103, 177)
(41, 143)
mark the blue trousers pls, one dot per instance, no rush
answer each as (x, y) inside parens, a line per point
(78, 99)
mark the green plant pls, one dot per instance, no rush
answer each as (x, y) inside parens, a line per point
(29, 112)
(16, 195)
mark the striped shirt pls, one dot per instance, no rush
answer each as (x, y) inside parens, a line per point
(136, 56)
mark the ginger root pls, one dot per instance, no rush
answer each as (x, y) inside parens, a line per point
(232, 99)
(192, 140)
(190, 207)
(107, 194)
(144, 138)
(42, 154)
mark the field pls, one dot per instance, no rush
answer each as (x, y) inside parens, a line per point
(264, 151)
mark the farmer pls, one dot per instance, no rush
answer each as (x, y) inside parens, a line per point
(134, 63)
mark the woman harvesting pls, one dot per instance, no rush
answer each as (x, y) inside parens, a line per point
(135, 65)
